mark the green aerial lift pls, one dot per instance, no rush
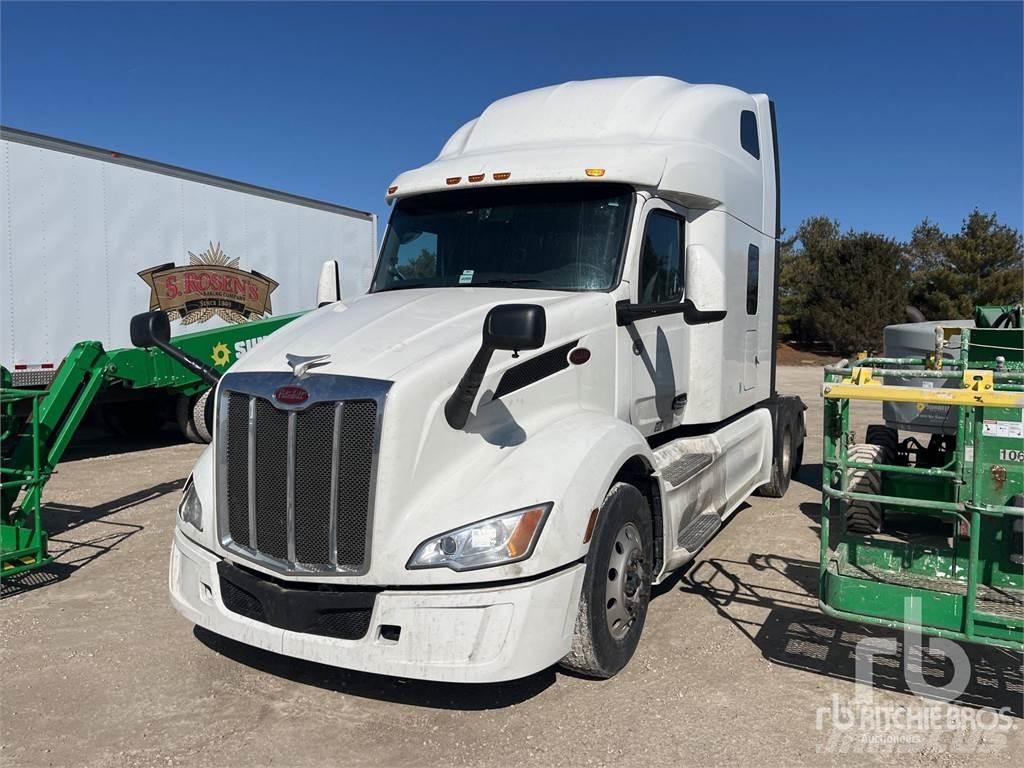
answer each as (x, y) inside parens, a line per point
(36, 426)
(930, 537)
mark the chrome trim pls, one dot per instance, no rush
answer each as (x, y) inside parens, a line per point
(253, 542)
(332, 531)
(289, 515)
(321, 388)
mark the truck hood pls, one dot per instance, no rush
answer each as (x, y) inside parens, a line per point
(379, 335)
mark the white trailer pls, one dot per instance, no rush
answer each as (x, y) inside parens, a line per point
(92, 237)
(561, 382)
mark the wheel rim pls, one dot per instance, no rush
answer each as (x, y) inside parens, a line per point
(624, 585)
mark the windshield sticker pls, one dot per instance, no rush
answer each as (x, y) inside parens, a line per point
(466, 277)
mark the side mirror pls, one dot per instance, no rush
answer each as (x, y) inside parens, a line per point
(150, 329)
(515, 327)
(508, 326)
(153, 329)
(328, 289)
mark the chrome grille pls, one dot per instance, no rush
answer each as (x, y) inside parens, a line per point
(296, 482)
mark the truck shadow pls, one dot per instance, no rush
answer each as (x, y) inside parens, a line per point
(417, 693)
(73, 549)
(794, 634)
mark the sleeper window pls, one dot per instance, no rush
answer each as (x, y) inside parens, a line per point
(753, 265)
(748, 133)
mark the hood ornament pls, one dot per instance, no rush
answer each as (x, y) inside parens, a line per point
(302, 363)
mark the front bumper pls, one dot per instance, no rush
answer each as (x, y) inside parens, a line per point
(459, 635)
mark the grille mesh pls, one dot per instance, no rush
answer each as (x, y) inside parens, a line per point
(238, 468)
(314, 441)
(327, 435)
(355, 467)
(271, 480)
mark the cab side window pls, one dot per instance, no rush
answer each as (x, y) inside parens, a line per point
(661, 260)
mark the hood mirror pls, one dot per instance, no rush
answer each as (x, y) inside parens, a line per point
(328, 289)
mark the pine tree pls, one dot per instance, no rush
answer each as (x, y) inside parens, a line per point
(858, 288)
(982, 264)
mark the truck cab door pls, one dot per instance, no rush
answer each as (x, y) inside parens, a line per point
(659, 358)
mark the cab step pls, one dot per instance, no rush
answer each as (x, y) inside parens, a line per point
(683, 468)
(699, 532)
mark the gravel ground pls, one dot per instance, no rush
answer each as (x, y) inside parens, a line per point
(736, 665)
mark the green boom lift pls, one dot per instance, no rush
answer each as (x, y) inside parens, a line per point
(929, 537)
(36, 426)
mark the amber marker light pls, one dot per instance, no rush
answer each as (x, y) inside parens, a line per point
(521, 537)
(392, 190)
(453, 180)
(501, 176)
(476, 177)
(595, 172)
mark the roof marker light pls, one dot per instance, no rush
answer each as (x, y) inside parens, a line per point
(392, 190)
(453, 180)
(595, 171)
(476, 177)
(501, 176)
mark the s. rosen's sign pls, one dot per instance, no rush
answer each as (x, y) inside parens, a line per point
(211, 285)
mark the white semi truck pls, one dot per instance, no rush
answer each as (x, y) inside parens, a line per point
(93, 236)
(561, 382)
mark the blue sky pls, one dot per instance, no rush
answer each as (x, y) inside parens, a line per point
(888, 112)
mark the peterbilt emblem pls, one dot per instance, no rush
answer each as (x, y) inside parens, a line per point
(291, 395)
(301, 364)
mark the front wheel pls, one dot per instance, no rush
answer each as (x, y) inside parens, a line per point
(616, 586)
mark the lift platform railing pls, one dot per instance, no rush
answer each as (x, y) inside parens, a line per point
(944, 611)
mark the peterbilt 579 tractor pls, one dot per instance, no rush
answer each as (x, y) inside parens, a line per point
(559, 385)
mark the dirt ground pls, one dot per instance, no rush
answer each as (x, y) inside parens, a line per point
(736, 666)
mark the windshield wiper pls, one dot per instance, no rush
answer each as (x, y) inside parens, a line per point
(402, 286)
(503, 281)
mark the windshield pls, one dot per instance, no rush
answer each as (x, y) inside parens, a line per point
(563, 237)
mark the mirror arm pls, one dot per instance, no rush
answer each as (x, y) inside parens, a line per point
(210, 375)
(626, 313)
(456, 409)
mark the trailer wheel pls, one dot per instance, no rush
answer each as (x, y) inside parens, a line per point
(616, 586)
(183, 415)
(867, 516)
(782, 466)
(202, 417)
(192, 418)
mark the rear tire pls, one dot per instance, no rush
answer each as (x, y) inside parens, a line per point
(616, 586)
(782, 467)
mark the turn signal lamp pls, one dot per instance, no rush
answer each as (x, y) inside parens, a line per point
(392, 190)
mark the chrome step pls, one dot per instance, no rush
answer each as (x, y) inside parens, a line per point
(699, 531)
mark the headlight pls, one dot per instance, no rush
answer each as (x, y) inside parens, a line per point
(189, 509)
(499, 540)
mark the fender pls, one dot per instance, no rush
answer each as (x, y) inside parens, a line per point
(572, 462)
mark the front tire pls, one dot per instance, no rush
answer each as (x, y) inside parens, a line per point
(616, 587)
